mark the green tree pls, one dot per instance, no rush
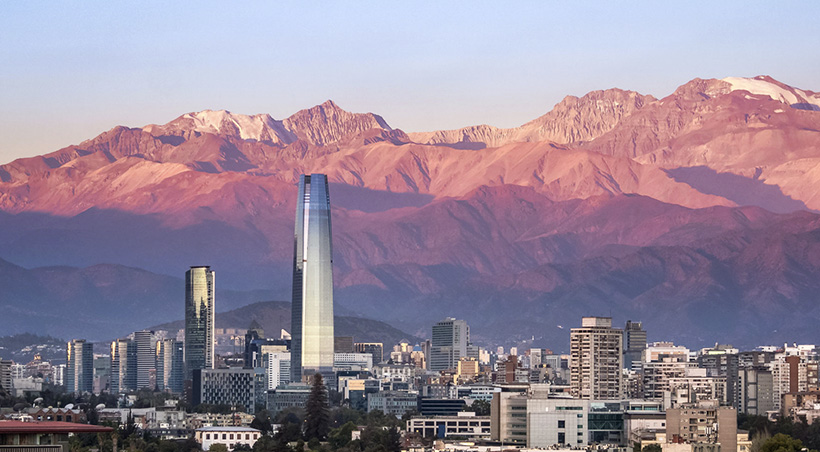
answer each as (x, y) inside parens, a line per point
(479, 407)
(341, 437)
(782, 443)
(652, 448)
(317, 414)
(218, 447)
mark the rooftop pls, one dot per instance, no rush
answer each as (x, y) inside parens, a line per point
(227, 429)
(7, 427)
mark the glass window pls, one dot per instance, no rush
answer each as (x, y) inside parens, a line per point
(561, 424)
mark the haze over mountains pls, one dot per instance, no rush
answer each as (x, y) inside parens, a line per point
(695, 213)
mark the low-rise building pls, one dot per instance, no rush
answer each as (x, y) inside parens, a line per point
(396, 403)
(464, 425)
(229, 436)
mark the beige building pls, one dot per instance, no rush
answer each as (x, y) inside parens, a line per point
(596, 353)
(702, 423)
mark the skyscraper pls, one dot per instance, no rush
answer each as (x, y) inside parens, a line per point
(634, 344)
(123, 366)
(199, 319)
(312, 310)
(79, 377)
(451, 342)
(146, 357)
(169, 366)
(596, 351)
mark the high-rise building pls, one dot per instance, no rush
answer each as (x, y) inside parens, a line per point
(312, 308)
(79, 377)
(634, 344)
(374, 348)
(170, 366)
(451, 342)
(146, 358)
(199, 319)
(5, 375)
(123, 366)
(596, 351)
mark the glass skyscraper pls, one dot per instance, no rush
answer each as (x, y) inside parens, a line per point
(199, 319)
(312, 311)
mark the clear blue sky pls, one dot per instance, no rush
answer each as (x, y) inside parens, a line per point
(70, 70)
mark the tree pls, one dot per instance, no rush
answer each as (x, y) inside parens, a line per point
(341, 437)
(782, 443)
(479, 407)
(317, 413)
(652, 448)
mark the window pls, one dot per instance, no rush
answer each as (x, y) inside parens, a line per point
(247, 436)
(561, 438)
(561, 424)
(231, 435)
(207, 436)
(224, 436)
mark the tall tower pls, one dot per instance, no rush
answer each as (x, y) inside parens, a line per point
(596, 353)
(312, 310)
(79, 377)
(199, 319)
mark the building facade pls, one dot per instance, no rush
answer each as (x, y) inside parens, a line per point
(199, 319)
(79, 377)
(312, 309)
(596, 352)
(170, 366)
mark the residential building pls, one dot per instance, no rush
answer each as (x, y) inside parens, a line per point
(312, 308)
(705, 422)
(755, 390)
(596, 352)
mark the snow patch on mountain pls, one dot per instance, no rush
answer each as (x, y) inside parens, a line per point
(785, 94)
(257, 127)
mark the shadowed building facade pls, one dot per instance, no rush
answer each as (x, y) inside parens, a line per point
(199, 319)
(312, 311)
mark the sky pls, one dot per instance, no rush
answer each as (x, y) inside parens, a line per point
(71, 70)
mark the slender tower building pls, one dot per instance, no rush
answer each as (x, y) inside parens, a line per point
(312, 310)
(199, 319)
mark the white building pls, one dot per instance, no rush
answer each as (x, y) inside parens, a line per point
(229, 436)
(278, 368)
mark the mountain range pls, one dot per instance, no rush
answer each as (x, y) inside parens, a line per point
(696, 213)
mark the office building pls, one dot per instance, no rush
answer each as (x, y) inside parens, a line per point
(199, 319)
(79, 376)
(234, 387)
(312, 308)
(278, 367)
(146, 358)
(596, 352)
(374, 348)
(123, 366)
(343, 344)
(755, 390)
(170, 366)
(451, 342)
(634, 344)
(463, 425)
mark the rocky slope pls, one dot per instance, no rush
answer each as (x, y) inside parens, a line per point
(681, 211)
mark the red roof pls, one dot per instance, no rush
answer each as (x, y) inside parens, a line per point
(7, 427)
